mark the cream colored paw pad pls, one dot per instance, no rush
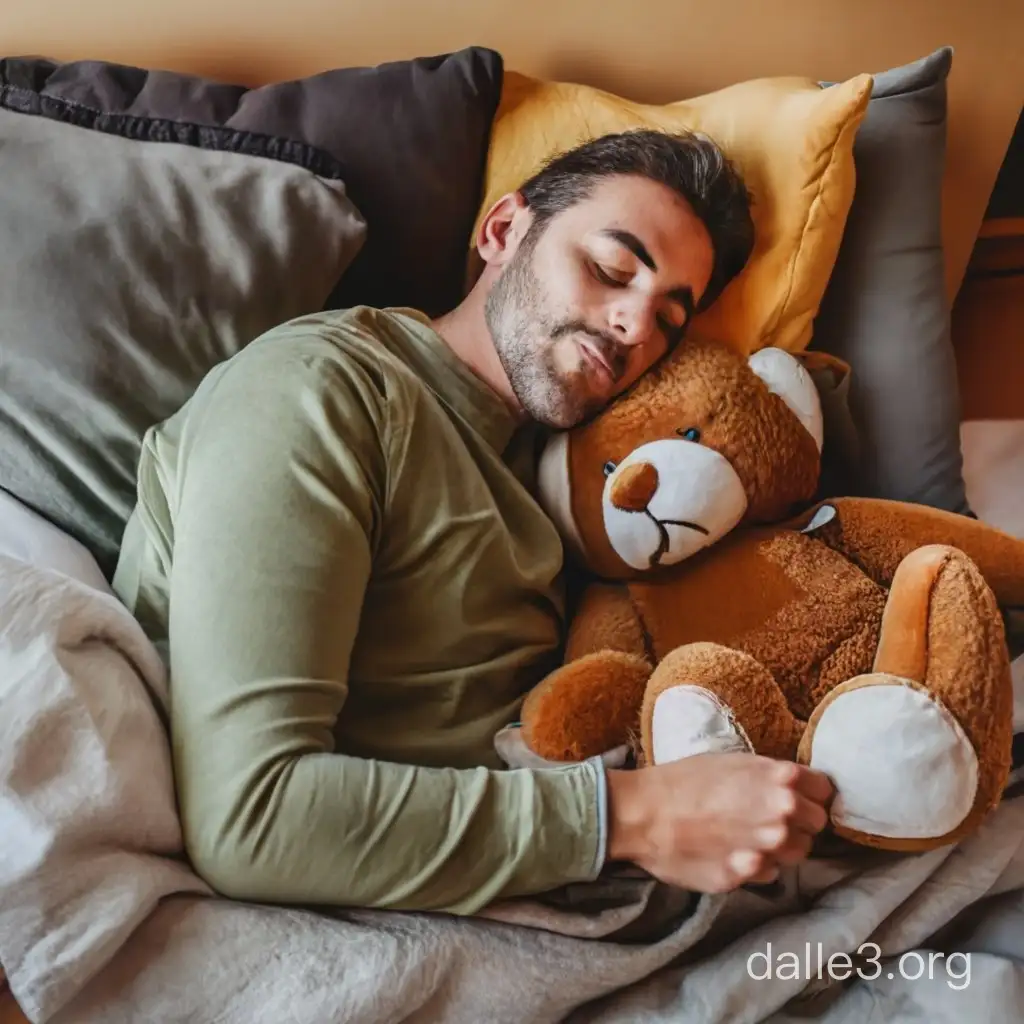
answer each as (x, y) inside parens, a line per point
(689, 720)
(902, 765)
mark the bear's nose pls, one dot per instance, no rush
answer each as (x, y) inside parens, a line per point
(634, 487)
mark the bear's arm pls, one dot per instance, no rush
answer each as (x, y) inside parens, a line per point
(591, 705)
(606, 620)
(877, 535)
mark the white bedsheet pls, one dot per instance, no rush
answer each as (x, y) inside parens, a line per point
(994, 471)
(90, 833)
(27, 536)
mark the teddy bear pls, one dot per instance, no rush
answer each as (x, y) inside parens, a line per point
(727, 607)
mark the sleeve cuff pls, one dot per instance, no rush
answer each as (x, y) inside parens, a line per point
(601, 798)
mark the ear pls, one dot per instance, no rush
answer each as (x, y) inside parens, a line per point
(502, 229)
(786, 377)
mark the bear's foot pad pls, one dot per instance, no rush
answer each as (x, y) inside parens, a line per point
(902, 766)
(689, 720)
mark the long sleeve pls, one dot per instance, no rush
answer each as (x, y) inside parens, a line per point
(279, 506)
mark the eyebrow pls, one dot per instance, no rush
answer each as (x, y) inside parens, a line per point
(683, 294)
(633, 244)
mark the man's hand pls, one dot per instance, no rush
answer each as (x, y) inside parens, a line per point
(714, 822)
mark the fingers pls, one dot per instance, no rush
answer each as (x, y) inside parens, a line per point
(794, 814)
(801, 799)
(785, 845)
(764, 877)
(735, 819)
(808, 816)
(763, 871)
(749, 867)
(778, 847)
(812, 784)
(744, 863)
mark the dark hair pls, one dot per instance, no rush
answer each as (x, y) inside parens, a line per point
(689, 163)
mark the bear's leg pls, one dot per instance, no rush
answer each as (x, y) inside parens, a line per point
(919, 749)
(704, 697)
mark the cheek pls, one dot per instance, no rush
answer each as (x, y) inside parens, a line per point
(571, 293)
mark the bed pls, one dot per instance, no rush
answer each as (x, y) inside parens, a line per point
(367, 157)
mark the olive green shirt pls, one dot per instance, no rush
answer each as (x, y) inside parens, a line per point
(337, 549)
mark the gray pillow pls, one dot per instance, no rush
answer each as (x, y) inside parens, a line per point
(128, 268)
(410, 137)
(885, 311)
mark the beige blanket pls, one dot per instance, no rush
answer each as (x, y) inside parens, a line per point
(101, 920)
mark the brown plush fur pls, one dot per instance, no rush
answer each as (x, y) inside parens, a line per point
(743, 684)
(785, 598)
(589, 707)
(878, 535)
(773, 620)
(941, 631)
(709, 387)
(605, 621)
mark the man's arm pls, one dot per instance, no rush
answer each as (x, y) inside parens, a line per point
(280, 504)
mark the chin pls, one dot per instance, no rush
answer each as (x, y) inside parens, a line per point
(566, 407)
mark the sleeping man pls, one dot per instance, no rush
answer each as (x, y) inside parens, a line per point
(337, 549)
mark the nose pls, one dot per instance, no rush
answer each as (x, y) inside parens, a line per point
(631, 320)
(634, 487)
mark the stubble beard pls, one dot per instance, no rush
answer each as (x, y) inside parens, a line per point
(524, 334)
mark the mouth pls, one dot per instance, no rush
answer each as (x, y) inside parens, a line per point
(597, 362)
(663, 537)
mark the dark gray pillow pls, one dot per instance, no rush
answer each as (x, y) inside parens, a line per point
(135, 253)
(885, 311)
(410, 137)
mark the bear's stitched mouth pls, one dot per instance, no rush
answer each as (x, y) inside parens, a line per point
(663, 537)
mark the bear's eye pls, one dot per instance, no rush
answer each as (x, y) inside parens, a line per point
(609, 468)
(690, 434)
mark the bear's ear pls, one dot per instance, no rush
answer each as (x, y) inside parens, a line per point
(787, 377)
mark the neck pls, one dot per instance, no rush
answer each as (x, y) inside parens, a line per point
(464, 330)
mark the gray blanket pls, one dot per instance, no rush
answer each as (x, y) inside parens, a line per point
(101, 919)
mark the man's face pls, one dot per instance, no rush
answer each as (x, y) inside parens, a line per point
(586, 305)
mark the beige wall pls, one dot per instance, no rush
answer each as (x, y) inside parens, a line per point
(653, 50)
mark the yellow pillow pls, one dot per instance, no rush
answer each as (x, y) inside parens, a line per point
(791, 139)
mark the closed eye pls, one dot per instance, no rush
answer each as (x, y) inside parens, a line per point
(609, 278)
(672, 331)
